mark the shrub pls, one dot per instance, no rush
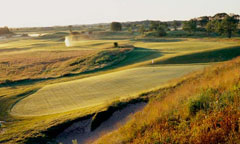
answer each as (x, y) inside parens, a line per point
(201, 103)
(115, 45)
(116, 26)
(161, 31)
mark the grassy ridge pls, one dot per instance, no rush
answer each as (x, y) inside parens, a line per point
(53, 64)
(204, 108)
(204, 57)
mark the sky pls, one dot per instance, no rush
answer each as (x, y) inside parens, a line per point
(32, 13)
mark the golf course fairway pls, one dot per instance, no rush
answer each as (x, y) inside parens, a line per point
(92, 91)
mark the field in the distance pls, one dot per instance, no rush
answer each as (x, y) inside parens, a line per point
(97, 90)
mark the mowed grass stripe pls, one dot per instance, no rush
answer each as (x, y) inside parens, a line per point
(97, 90)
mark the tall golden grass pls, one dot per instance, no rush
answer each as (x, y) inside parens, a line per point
(202, 109)
(50, 64)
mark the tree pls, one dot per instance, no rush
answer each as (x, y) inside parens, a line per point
(115, 44)
(154, 25)
(220, 16)
(226, 26)
(141, 29)
(176, 24)
(130, 30)
(190, 26)
(229, 25)
(116, 26)
(165, 25)
(218, 27)
(161, 31)
(203, 21)
(70, 28)
(212, 26)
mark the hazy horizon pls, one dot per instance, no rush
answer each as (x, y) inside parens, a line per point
(29, 13)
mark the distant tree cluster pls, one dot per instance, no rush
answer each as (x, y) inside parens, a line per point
(116, 26)
(141, 29)
(190, 26)
(156, 28)
(217, 25)
(4, 30)
(160, 28)
(226, 26)
(176, 24)
(221, 24)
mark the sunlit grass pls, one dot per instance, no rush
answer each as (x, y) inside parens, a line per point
(204, 108)
(20, 129)
(97, 90)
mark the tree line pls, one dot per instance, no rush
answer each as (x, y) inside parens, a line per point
(159, 28)
(219, 24)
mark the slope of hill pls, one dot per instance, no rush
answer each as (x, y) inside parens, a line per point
(202, 108)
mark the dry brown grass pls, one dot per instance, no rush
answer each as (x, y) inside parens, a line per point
(49, 64)
(203, 108)
(40, 64)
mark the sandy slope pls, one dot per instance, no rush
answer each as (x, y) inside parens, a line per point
(80, 131)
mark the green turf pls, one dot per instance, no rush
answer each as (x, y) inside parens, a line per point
(96, 90)
(205, 57)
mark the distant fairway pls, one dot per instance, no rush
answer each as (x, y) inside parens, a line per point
(97, 90)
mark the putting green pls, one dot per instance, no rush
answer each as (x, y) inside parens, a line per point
(97, 90)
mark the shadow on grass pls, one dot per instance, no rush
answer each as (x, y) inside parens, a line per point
(136, 56)
(205, 57)
(13, 49)
(139, 55)
(39, 45)
(157, 40)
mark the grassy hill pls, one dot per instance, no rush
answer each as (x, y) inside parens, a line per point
(42, 60)
(201, 108)
(52, 58)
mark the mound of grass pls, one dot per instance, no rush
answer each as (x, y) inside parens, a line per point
(55, 64)
(139, 55)
(101, 59)
(203, 108)
(205, 57)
